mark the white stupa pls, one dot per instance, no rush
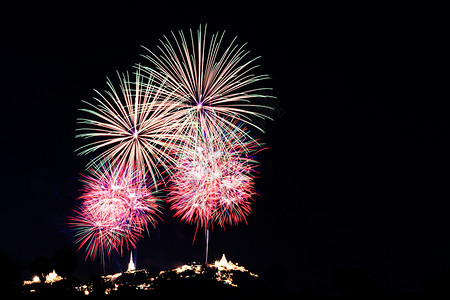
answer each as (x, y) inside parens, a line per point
(131, 266)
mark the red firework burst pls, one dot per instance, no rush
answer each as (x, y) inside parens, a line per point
(116, 209)
(213, 180)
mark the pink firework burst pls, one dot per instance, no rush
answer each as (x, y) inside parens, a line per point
(116, 209)
(213, 180)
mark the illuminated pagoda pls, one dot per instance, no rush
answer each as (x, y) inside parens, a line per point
(131, 266)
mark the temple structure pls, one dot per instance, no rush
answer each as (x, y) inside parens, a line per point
(131, 266)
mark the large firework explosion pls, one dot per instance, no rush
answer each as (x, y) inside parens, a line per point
(186, 119)
(116, 209)
(213, 84)
(130, 127)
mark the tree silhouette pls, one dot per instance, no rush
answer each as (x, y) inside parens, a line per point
(276, 276)
(353, 282)
(64, 262)
(40, 266)
(10, 274)
(341, 280)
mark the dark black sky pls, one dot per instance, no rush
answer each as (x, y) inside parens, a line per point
(357, 171)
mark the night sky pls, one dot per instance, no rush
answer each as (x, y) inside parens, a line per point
(357, 171)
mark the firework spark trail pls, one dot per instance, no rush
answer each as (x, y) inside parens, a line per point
(132, 127)
(116, 208)
(213, 85)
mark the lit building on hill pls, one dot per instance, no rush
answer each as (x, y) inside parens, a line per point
(222, 271)
(52, 277)
(221, 274)
(35, 280)
(223, 264)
